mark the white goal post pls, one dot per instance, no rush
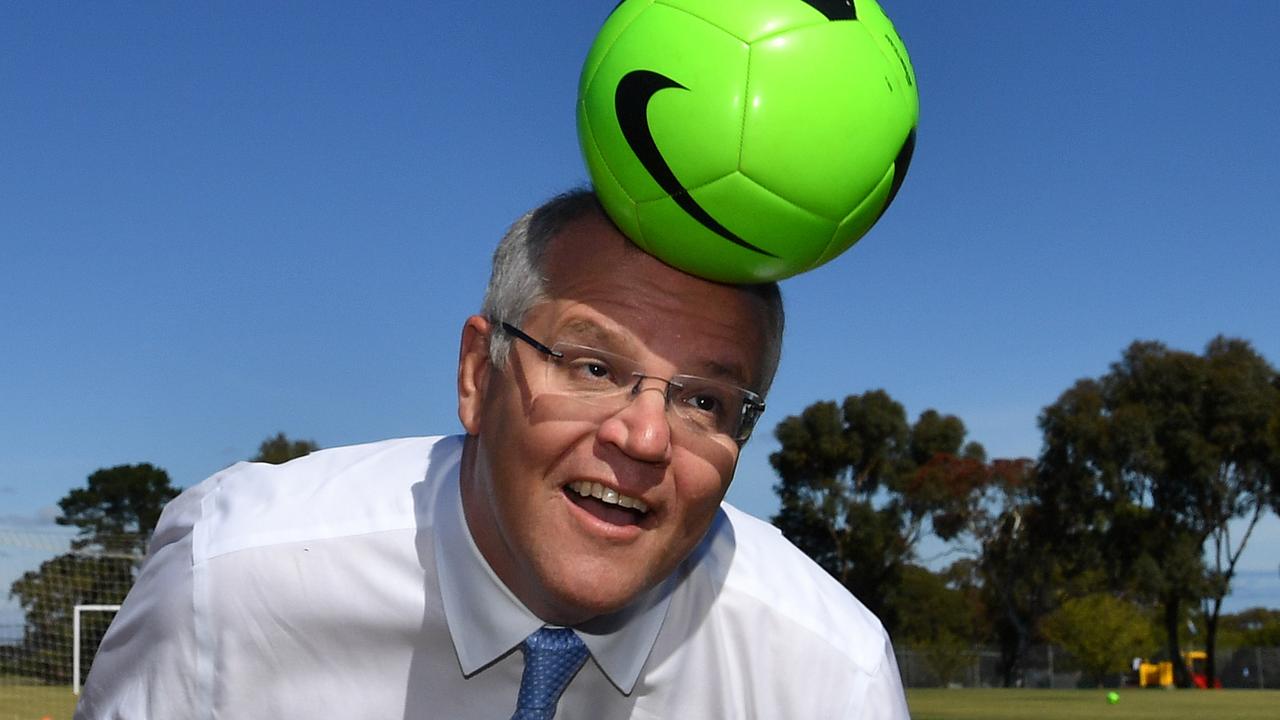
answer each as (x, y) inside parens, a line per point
(75, 640)
(56, 601)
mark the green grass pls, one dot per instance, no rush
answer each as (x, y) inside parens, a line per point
(1135, 704)
(34, 702)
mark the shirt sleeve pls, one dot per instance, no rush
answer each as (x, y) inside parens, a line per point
(883, 697)
(147, 665)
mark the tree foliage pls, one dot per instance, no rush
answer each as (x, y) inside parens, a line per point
(859, 485)
(1022, 572)
(1150, 480)
(1255, 626)
(116, 512)
(48, 596)
(1103, 632)
(940, 616)
(118, 508)
(1155, 459)
(933, 606)
(279, 449)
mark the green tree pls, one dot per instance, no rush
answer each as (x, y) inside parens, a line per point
(1023, 570)
(279, 449)
(934, 605)
(859, 486)
(116, 512)
(118, 508)
(1102, 632)
(1255, 626)
(1157, 457)
(48, 596)
(938, 616)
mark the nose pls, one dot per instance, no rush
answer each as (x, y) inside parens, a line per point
(641, 429)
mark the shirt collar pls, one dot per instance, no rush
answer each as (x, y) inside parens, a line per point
(486, 621)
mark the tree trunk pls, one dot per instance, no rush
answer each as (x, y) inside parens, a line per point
(1013, 649)
(1181, 677)
(1211, 644)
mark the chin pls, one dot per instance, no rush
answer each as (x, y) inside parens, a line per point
(597, 595)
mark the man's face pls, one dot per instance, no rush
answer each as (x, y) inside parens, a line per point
(534, 451)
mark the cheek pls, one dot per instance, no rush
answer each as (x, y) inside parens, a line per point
(514, 421)
(701, 483)
(551, 429)
(535, 442)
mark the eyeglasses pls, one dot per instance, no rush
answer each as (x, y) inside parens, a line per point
(603, 379)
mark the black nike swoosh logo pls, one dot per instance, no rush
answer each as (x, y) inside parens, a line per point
(631, 103)
(900, 164)
(834, 9)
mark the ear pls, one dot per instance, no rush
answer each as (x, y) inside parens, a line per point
(473, 372)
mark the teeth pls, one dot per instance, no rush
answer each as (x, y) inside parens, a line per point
(607, 495)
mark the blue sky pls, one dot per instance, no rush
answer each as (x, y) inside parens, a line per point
(222, 221)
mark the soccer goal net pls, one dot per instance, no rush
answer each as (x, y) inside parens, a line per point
(57, 601)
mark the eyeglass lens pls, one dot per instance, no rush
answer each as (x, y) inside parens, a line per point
(602, 378)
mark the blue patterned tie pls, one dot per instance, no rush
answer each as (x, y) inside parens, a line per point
(551, 658)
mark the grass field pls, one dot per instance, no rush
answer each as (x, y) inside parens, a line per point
(1135, 704)
(36, 702)
(27, 702)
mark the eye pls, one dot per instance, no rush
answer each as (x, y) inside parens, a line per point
(590, 372)
(706, 403)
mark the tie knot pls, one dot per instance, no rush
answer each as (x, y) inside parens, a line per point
(554, 641)
(552, 657)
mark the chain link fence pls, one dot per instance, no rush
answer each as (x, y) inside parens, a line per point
(1048, 666)
(43, 579)
(1250, 667)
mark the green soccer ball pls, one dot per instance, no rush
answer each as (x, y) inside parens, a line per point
(747, 140)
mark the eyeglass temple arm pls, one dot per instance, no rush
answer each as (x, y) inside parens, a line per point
(519, 334)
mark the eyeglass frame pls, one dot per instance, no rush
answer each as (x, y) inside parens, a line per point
(752, 404)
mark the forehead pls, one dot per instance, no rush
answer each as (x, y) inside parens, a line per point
(605, 291)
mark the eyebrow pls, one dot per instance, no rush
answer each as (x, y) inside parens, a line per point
(582, 330)
(734, 374)
(587, 332)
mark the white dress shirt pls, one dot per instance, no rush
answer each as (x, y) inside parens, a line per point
(345, 585)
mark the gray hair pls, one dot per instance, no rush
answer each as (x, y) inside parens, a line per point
(518, 281)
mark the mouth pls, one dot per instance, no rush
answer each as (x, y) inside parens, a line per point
(606, 503)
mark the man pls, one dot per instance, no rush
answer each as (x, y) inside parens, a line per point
(568, 556)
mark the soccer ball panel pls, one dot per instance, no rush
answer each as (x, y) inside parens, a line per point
(750, 20)
(622, 209)
(695, 121)
(822, 123)
(859, 221)
(614, 25)
(779, 228)
(886, 35)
